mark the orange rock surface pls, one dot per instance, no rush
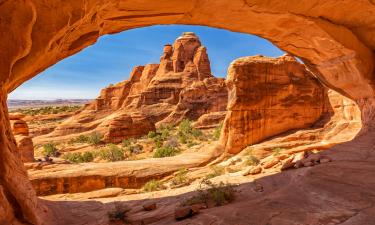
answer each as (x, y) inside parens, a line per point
(335, 39)
(181, 86)
(269, 96)
(21, 134)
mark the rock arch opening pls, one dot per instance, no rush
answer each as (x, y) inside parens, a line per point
(337, 48)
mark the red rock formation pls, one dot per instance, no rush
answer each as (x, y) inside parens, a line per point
(21, 134)
(337, 46)
(181, 86)
(210, 120)
(269, 96)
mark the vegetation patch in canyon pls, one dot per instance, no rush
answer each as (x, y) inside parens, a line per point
(49, 110)
(50, 149)
(94, 138)
(180, 179)
(153, 185)
(212, 194)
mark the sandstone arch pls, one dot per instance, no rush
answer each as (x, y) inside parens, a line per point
(335, 39)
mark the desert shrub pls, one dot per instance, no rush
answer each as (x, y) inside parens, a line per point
(95, 138)
(80, 139)
(158, 141)
(166, 151)
(216, 195)
(165, 133)
(182, 138)
(171, 142)
(153, 185)
(216, 171)
(127, 142)
(186, 133)
(135, 149)
(217, 132)
(180, 178)
(185, 127)
(78, 157)
(152, 134)
(196, 133)
(252, 160)
(111, 153)
(50, 149)
(166, 127)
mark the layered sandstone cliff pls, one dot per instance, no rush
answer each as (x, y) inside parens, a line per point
(181, 86)
(268, 96)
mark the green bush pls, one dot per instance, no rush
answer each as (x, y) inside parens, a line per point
(153, 185)
(186, 133)
(185, 127)
(180, 178)
(166, 151)
(152, 134)
(127, 142)
(182, 138)
(196, 133)
(78, 157)
(217, 132)
(80, 139)
(111, 153)
(95, 138)
(50, 149)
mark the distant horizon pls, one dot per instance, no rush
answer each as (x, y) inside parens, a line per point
(112, 58)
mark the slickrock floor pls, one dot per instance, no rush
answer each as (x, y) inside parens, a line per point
(341, 192)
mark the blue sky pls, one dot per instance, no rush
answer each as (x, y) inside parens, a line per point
(112, 58)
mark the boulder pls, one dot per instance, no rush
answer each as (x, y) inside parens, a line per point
(149, 206)
(184, 212)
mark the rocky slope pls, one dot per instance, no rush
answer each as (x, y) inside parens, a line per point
(181, 86)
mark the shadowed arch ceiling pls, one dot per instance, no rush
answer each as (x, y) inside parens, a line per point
(334, 42)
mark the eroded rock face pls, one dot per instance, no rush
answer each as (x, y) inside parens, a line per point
(181, 86)
(337, 46)
(268, 96)
(21, 134)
